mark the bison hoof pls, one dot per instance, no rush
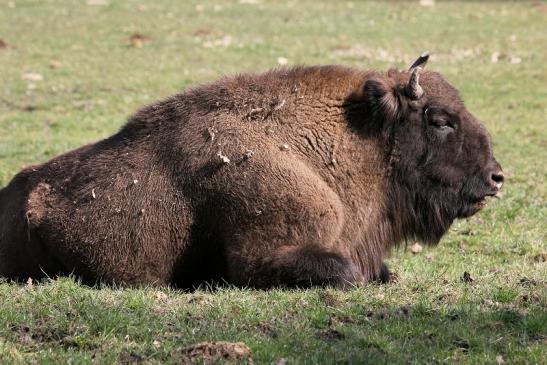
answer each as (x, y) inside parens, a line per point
(385, 276)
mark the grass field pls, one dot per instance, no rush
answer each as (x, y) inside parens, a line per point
(73, 71)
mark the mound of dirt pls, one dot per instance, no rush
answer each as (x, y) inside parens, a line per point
(213, 352)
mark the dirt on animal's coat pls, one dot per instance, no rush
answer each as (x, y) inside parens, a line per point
(293, 177)
(215, 352)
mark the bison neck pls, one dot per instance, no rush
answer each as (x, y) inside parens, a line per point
(354, 165)
(417, 214)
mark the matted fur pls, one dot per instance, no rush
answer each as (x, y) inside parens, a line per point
(303, 176)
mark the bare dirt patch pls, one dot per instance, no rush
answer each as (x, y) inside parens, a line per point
(128, 357)
(467, 278)
(402, 313)
(137, 40)
(462, 345)
(329, 299)
(267, 329)
(540, 6)
(39, 335)
(214, 352)
(330, 335)
(206, 32)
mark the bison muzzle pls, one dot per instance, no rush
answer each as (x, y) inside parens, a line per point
(294, 177)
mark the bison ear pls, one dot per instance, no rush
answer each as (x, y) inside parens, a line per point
(380, 98)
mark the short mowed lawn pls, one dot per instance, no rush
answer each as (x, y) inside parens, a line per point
(72, 72)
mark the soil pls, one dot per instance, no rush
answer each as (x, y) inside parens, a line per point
(217, 351)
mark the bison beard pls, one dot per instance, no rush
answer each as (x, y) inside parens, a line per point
(294, 177)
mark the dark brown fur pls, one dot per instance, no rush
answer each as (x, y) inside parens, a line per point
(306, 176)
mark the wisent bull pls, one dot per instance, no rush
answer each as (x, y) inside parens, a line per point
(293, 177)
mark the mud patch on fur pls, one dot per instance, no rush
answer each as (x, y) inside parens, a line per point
(36, 204)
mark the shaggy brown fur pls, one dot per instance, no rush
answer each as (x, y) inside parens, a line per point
(296, 177)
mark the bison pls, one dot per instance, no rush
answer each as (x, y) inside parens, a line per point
(293, 177)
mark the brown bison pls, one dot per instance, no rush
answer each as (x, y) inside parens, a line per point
(293, 177)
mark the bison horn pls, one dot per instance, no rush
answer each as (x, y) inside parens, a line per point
(421, 61)
(413, 88)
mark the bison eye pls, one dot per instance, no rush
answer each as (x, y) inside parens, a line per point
(438, 118)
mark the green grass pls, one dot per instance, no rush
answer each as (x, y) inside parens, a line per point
(429, 316)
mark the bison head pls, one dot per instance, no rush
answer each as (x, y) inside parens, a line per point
(439, 155)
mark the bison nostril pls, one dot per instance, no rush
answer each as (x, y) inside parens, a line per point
(497, 178)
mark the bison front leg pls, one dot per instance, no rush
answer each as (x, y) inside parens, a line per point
(287, 233)
(305, 267)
